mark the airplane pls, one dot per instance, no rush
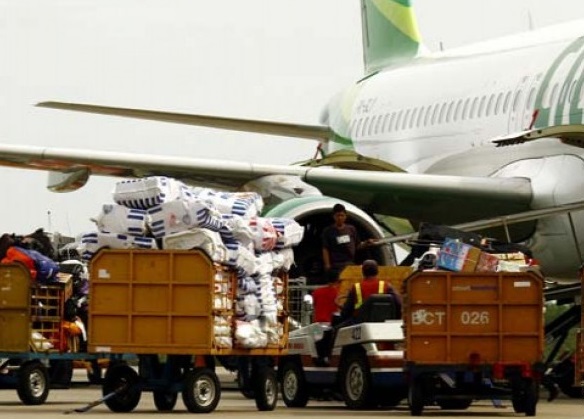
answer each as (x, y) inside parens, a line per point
(448, 137)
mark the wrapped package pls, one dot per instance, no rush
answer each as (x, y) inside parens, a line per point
(148, 192)
(290, 233)
(198, 238)
(115, 218)
(244, 204)
(182, 215)
(265, 235)
(249, 335)
(241, 257)
(90, 243)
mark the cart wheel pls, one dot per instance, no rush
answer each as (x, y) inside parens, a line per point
(117, 376)
(164, 400)
(294, 391)
(355, 381)
(202, 391)
(525, 397)
(246, 391)
(531, 397)
(390, 397)
(266, 388)
(33, 383)
(454, 404)
(416, 396)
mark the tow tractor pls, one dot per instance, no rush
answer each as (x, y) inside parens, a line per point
(364, 365)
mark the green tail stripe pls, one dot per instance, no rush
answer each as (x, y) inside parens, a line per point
(399, 13)
(390, 34)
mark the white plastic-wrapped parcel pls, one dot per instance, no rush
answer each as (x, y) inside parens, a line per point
(244, 204)
(90, 243)
(181, 215)
(147, 192)
(201, 238)
(115, 218)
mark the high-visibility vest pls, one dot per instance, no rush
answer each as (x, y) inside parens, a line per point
(366, 288)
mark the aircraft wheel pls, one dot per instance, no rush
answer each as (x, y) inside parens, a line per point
(202, 391)
(355, 381)
(118, 376)
(33, 383)
(294, 391)
(266, 388)
(164, 400)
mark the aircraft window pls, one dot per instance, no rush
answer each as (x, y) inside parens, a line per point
(391, 121)
(356, 128)
(581, 98)
(554, 95)
(450, 111)
(530, 103)
(414, 116)
(482, 106)
(442, 115)
(379, 124)
(507, 101)
(420, 117)
(499, 102)
(371, 126)
(465, 108)
(384, 122)
(516, 100)
(405, 120)
(364, 126)
(427, 116)
(435, 113)
(398, 120)
(473, 109)
(490, 105)
(458, 110)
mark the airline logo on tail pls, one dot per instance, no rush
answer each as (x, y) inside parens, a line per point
(390, 33)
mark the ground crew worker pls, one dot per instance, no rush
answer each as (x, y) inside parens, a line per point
(324, 298)
(361, 291)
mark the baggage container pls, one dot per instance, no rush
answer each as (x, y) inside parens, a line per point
(164, 302)
(473, 336)
(31, 313)
(456, 318)
(165, 306)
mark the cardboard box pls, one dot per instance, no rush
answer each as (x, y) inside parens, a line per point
(457, 256)
(487, 263)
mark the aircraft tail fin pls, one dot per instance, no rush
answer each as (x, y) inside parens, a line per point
(390, 33)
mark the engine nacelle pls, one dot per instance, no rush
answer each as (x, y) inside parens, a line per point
(315, 213)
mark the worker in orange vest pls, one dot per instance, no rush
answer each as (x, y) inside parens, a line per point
(361, 291)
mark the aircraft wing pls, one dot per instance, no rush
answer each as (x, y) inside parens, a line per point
(413, 196)
(313, 132)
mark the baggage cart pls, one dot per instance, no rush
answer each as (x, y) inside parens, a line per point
(473, 336)
(36, 352)
(167, 307)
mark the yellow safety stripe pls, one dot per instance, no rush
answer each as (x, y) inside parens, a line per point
(359, 295)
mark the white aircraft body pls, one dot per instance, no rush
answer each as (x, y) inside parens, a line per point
(485, 130)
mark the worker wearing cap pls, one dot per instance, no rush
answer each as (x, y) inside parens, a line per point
(362, 290)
